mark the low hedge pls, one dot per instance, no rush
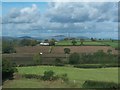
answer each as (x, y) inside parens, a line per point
(100, 84)
(96, 65)
(32, 76)
(88, 66)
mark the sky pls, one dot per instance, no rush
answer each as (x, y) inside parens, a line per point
(41, 19)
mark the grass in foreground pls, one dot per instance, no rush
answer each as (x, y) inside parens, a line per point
(103, 74)
(77, 74)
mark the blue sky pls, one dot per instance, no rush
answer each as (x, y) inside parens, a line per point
(40, 19)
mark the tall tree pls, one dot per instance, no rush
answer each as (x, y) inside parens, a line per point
(74, 42)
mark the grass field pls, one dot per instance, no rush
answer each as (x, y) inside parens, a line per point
(68, 42)
(79, 75)
(114, 44)
(104, 74)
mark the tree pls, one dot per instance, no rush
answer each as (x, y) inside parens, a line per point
(52, 42)
(81, 41)
(74, 58)
(66, 50)
(33, 42)
(8, 47)
(46, 41)
(93, 39)
(25, 42)
(74, 42)
(7, 69)
(37, 59)
(28, 42)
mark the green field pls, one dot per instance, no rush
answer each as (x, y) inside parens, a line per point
(104, 74)
(77, 74)
(114, 44)
(68, 42)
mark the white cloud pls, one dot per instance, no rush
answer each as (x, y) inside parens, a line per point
(63, 17)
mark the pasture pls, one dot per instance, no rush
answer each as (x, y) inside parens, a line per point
(113, 44)
(77, 74)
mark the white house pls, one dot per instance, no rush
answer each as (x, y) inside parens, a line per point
(45, 44)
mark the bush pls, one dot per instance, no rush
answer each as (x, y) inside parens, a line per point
(8, 47)
(100, 84)
(7, 69)
(64, 77)
(74, 58)
(48, 75)
(37, 59)
(32, 76)
(96, 65)
(89, 66)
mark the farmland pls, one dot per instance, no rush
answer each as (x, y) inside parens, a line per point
(79, 75)
(25, 54)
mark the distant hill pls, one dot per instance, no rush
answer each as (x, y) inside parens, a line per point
(82, 37)
(58, 37)
(25, 37)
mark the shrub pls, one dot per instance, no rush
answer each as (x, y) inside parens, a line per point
(8, 47)
(89, 66)
(48, 75)
(64, 77)
(100, 84)
(32, 76)
(7, 69)
(37, 59)
(74, 58)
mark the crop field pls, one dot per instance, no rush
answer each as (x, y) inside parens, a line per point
(60, 49)
(25, 54)
(74, 74)
(93, 43)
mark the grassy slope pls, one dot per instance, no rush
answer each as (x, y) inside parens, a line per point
(104, 74)
(80, 75)
(33, 83)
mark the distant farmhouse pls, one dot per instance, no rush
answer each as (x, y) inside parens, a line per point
(45, 43)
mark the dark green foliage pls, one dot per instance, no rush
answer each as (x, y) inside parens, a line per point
(96, 65)
(48, 75)
(101, 84)
(32, 76)
(98, 57)
(89, 66)
(58, 62)
(8, 47)
(81, 41)
(37, 59)
(64, 77)
(7, 69)
(74, 42)
(74, 58)
(109, 51)
(67, 50)
(28, 42)
(52, 42)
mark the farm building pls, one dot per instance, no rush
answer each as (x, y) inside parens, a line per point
(45, 44)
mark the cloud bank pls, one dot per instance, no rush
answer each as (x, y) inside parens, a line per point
(92, 19)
